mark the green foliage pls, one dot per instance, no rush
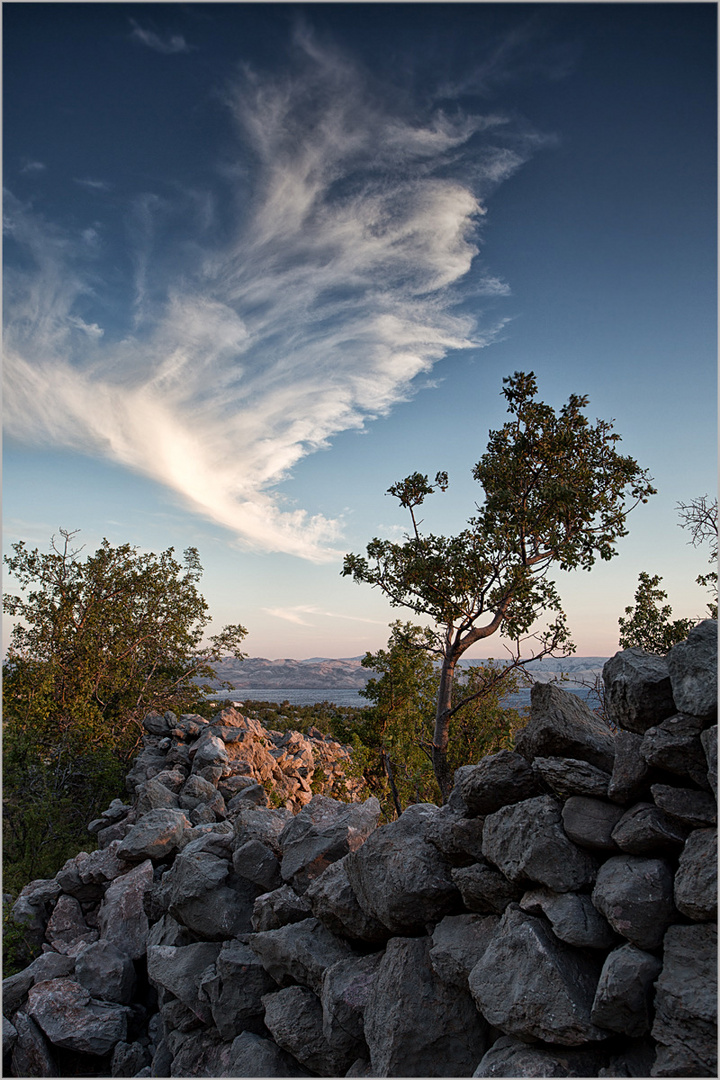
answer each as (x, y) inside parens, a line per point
(393, 738)
(98, 643)
(648, 624)
(556, 492)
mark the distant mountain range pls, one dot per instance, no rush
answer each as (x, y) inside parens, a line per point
(347, 673)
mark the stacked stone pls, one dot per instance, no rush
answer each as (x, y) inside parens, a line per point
(555, 918)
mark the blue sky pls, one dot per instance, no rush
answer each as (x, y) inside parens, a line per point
(263, 260)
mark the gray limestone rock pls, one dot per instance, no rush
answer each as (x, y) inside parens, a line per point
(208, 750)
(457, 838)
(561, 725)
(415, 1023)
(568, 776)
(294, 1018)
(106, 973)
(686, 805)
(498, 780)
(696, 877)
(527, 983)
(458, 942)
(49, 965)
(73, 1020)
(257, 823)
(709, 741)
(590, 822)
(67, 930)
(197, 791)
(31, 1054)
(257, 862)
(221, 913)
(192, 874)
(572, 916)
(638, 691)
(299, 952)
(509, 1056)
(128, 1059)
(644, 830)
(157, 835)
(693, 671)
(177, 970)
(624, 993)
(401, 879)
(322, 833)
(236, 995)
(347, 987)
(86, 876)
(484, 889)
(630, 771)
(279, 908)
(675, 746)
(9, 1032)
(251, 1055)
(155, 796)
(156, 723)
(685, 1023)
(635, 894)
(636, 1058)
(333, 901)
(528, 843)
(122, 919)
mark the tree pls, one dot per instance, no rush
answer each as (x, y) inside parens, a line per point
(648, 624)
(556, 492)
(99, 642)
(395, 734)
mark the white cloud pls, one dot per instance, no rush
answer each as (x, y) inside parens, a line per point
(32, 166)
(94, 185)
(174, 43)
(317, 312)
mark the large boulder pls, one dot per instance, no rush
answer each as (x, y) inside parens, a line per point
(696, 878)
(324, 831)
(106, 973)
(157, 835)
(67, 930)
(122, 919)
(572, 916)
(347, 987)
(235, 988)
(294, 1018)
(299, 953)
(498, 780)
(529, 984)
(510, 1056)
(333, 901)
(31, 1053)
(177, 969)
(568, 776)
(484, 889)
(624, 993)
(630, 769)
(693, 671)
(635, 894)
(675, 746)
(399, 877)
(458, 942)
(252, 1055)
(638, 691)
(561, 725)
(280, 907)
(415, 1023)
(590, 822)
(645, 830)
(685, 1023)
(527, 842)
(73, 1020)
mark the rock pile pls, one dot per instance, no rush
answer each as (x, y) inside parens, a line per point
(555, 918)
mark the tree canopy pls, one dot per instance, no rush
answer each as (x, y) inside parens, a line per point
(99, 642)
(556, 493)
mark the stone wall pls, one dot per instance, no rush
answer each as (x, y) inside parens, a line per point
(556, 918)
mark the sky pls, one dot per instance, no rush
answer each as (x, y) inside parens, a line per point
(261, 261)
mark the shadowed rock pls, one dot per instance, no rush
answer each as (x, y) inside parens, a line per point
(635, 894)
(623, 997)
(685, 1023)
(693, 671)
(696, 877)
(73, 1020)
(561, 725)
(638, 692)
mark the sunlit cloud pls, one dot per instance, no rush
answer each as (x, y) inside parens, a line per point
(296, 615)
(329, 300)
(174, 43)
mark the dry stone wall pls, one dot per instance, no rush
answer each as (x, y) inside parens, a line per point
(556, 918)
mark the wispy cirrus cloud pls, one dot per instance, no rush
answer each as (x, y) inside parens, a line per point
(173, 43)
(296, 615)
(323, 302)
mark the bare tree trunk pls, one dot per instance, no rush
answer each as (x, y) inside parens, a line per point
(442, 728)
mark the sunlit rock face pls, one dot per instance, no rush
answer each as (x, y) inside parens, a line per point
(555, 918)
